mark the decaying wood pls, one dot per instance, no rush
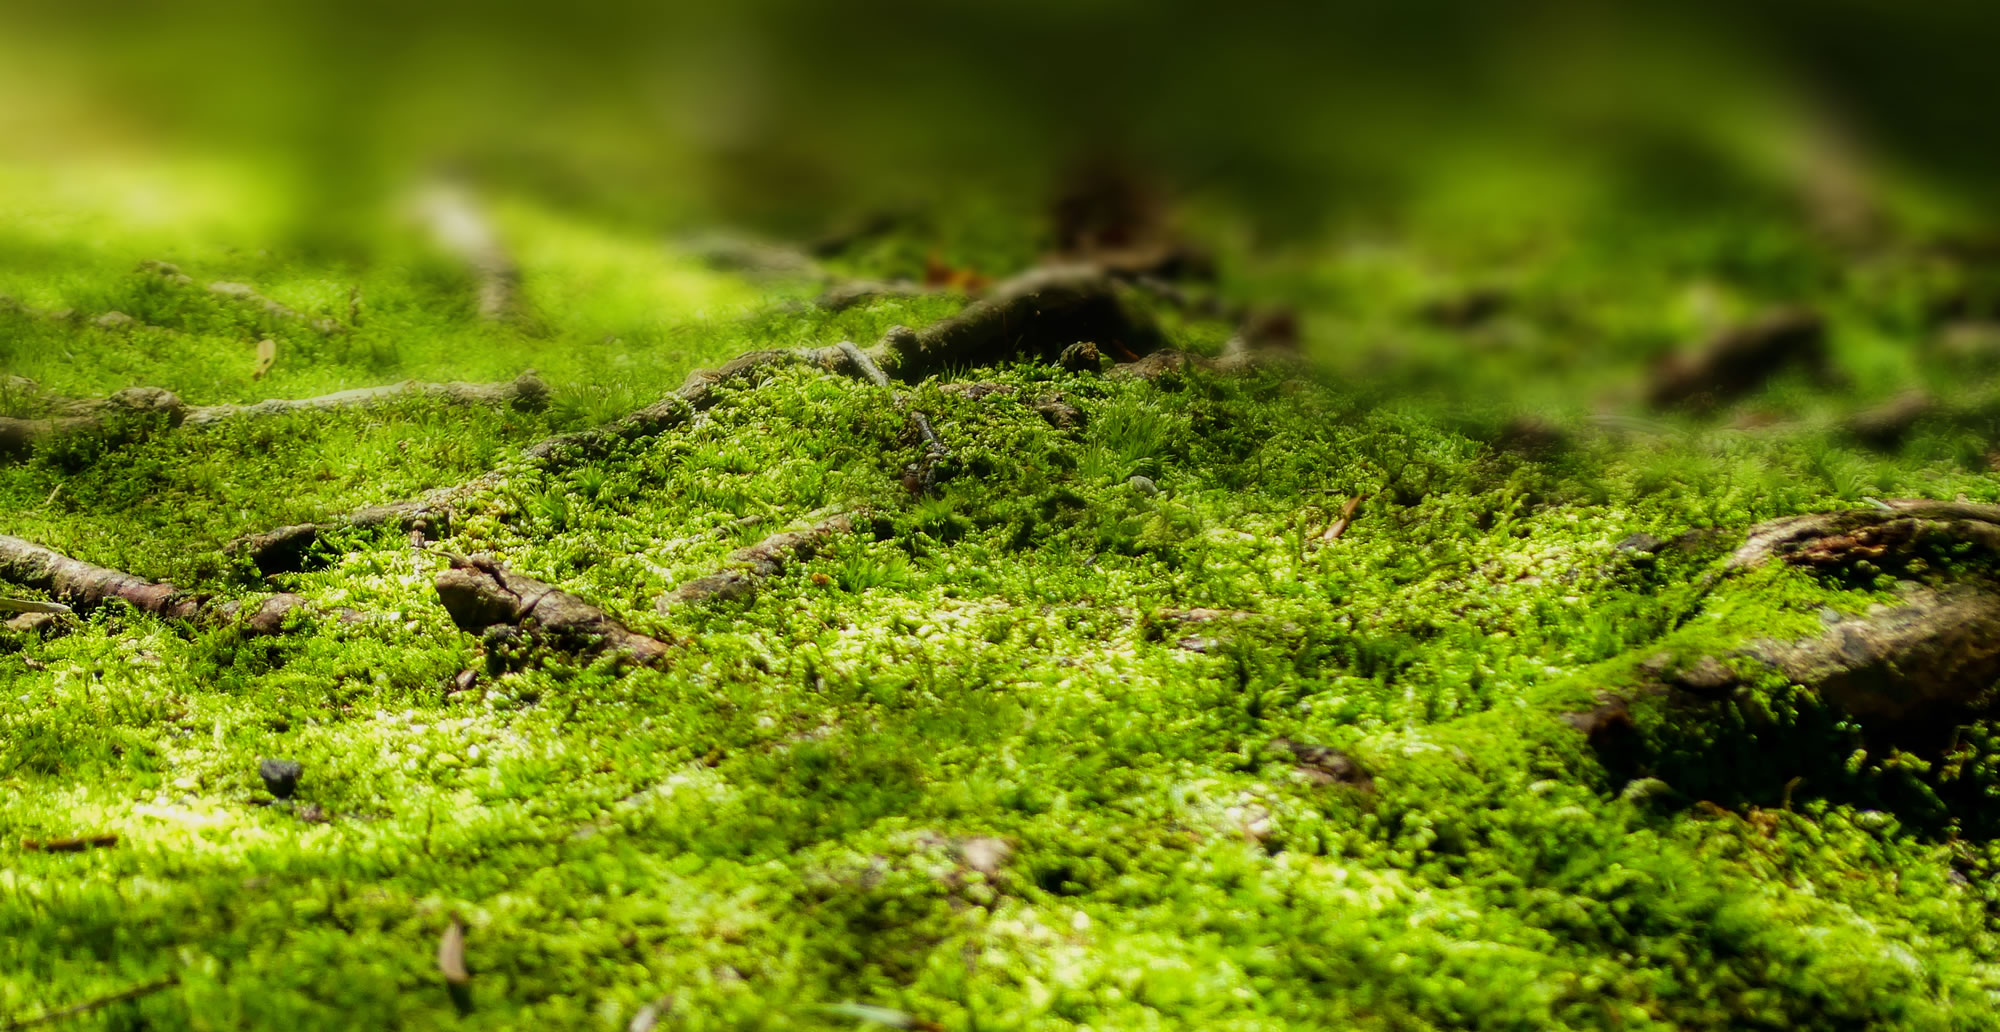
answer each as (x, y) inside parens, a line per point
(84, 586)
(851, 293)
(1740, 360)
(246, 294)
(480, 593)
(128, 409)
(750, 566)
(69, 845)
(1341, 522)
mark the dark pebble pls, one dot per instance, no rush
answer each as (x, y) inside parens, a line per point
(280, 776)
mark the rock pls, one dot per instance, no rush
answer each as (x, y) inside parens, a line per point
(1886, 425)
(113, 321)
(281, 777)
(1059, 412)
(1081, 357)
(1641, 542)
(1143, 485)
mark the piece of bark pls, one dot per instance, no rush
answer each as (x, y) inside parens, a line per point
(479, 593)
(84, 586)
(1741, 359)
(750, 566)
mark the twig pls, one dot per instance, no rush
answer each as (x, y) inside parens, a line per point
(123, 996)
(1346, 518)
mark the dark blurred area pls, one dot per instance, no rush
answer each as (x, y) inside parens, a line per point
(782, 113)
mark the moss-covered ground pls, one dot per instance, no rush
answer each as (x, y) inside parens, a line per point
(973, 766)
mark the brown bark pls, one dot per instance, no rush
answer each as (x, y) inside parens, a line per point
(84, 586)
(480, 593)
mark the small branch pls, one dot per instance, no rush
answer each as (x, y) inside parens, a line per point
(1343, 521)
(480, 593)
(122, 996)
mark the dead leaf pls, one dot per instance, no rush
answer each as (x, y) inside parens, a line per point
(267, 356)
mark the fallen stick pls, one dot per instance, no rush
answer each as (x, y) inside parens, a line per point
(480, 593)
(750, 566)
(1036, 314)
(84, 586)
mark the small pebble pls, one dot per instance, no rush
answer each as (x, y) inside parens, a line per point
(281, 777)
(1144, 485)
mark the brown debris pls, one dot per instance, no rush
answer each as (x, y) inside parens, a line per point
(479, 593)
(1740, 360)
(1828, 539)
(1341, 522)
(750, 566)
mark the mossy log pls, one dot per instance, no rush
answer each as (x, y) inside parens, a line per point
(750, 566)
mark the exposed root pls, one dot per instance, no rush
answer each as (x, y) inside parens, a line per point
(479, 594)
(133, 409)
(84, 586)
(851, 293)
(1824, 539)
(526, 393)
(922, 476)
(248, 295)
(748, 567)
(287, 549)
(1037, 314)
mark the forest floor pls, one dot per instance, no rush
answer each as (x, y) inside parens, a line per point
(1408, 686)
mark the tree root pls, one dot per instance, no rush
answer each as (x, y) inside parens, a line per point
(480, 594)
(1929, 662)
(84, 586)
(127, 412)
(748, 567)
(1037, 314)
(1041, 313)
(248, 295)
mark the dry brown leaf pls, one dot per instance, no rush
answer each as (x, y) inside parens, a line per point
(267, 356)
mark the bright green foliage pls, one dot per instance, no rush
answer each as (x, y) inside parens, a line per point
(794, 816)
